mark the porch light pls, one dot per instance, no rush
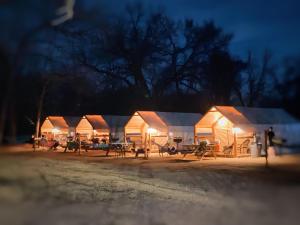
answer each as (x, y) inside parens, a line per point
(222, 122)
(151, 130)
(55, 130)
(237, 130)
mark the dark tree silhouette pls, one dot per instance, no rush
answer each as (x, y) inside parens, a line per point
(252, 85)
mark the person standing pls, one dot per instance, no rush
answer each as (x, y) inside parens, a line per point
(271, 135)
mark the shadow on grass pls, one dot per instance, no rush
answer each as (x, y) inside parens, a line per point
(181, 160)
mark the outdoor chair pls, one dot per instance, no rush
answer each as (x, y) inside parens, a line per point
(167, 149)
(227, 150)
(204, 148)
(53, 145)
(72, 145)
(201, 150)
(142, 151)
(244, 147)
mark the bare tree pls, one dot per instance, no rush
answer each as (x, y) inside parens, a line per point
(252, 86)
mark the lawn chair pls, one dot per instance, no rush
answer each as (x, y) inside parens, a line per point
(72, 145)
(244, 147)
(204, 148)
(227, 150)
(167, 148)
(201, 150)
(53, 145)
(143, 151)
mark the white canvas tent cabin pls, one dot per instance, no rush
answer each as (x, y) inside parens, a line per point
(144, 126)
(93, 126)
(59, 127)
(55, 127)
(233, 125)
(116, 126)
(152, 129)
(180, 125)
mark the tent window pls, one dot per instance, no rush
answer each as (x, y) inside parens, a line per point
(201, 131)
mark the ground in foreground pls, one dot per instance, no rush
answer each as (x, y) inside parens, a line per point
(64, 188)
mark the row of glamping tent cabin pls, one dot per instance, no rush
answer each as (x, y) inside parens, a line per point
(226, 126)
(88, 127)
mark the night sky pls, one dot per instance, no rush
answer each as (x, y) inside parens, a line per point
(256, 24)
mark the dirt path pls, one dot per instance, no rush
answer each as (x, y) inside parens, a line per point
(56, 188)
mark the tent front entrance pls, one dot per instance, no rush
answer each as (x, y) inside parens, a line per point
(93, 126)
(215, 127)
(146, 130)
(55, 128)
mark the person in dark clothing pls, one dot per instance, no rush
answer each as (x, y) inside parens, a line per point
(271, 135)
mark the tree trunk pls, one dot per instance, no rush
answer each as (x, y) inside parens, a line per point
(12, 76)
(6, 105)
(140, 81)
(240, 96)
(39, 109)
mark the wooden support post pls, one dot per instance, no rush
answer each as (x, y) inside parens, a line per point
(195, 135)
(266, 146)
(79, 144)
(234, 145)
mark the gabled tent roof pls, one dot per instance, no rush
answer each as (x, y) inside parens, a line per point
(153, 120)
(72, 121)
(58, 122)
(114, 121)
(246, 115)
(267, 115)
(232, 114)
(179, 119)
(97, 121)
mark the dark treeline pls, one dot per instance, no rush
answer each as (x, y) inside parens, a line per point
(140, 60)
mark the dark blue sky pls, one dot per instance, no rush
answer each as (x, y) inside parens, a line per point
(256, 24)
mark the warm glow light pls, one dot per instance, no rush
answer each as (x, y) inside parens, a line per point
(55, 130)
(222, 122)
(237, 130)
(151, 130)
(171, 134)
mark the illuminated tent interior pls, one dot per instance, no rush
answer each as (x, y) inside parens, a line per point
(161, 127)
(54, 127)
(144, 124)
(234, 125)
(59, 127)
(93, 126)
